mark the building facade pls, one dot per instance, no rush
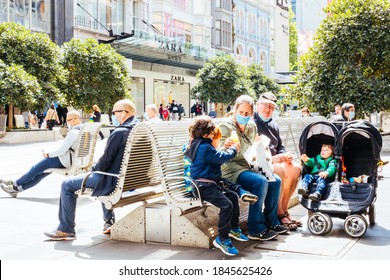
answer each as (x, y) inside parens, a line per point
(252, 40)
(165, 42)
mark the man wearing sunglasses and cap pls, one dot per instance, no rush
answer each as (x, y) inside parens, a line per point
(110, 162)
(284, 166)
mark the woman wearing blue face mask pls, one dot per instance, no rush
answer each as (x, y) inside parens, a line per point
(347, 113)
(263, 223)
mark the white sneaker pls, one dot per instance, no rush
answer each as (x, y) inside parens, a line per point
(8, 187)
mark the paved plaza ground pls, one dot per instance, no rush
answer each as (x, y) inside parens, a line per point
(24, 219)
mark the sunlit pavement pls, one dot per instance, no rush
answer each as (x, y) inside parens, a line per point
(24, 219)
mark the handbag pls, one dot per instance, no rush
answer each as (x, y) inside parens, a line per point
(259, 158)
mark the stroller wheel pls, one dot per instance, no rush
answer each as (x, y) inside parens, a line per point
(355, 225)
(372, 215)
(319, 223)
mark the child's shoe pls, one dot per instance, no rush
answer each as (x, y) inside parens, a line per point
(248, 197)
(226, 246)
(316, 196)
(303, 190)
(238, 235)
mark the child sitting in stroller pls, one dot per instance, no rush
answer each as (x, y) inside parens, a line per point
(323, 171)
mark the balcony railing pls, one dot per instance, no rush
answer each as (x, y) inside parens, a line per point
(86, 22)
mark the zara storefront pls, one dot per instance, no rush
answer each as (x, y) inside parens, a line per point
(159, 75)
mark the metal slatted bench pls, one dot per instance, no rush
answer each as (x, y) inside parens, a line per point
(82, 156)
(138, 179)
(151, 178)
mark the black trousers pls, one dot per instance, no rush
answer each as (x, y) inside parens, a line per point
(227, 201)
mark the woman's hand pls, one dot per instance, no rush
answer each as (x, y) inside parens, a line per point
(237, 145)
(287, 157)
(228, 143)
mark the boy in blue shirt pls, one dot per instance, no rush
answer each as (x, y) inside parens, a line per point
(205, 171)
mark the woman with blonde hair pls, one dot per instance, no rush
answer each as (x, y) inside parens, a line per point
(95, 116)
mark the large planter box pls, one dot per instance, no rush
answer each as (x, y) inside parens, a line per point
(31, 136)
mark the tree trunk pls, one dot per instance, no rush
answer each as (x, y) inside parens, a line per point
(11, 116)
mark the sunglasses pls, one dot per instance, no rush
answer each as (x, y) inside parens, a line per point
(118, 111)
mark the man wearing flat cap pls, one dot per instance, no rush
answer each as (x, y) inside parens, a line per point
(284, 166)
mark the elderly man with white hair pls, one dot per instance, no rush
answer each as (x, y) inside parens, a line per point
(151, 113)
(59, 158)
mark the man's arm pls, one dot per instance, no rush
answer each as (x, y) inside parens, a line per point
(69, 140)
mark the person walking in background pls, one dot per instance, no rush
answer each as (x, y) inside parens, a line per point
(26, 118)
(305, 112)
(110, 162)
(62, 112)
(59, 158)
(198, 109)
(336, 113)
(347, 113)
(161, 112)
(51, 117)
(212, 113)
(282, 160)
(182, 112)
(96, 117)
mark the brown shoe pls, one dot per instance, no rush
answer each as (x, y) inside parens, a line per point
(58, 235)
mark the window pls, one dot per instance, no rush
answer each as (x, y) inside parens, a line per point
(223, 33)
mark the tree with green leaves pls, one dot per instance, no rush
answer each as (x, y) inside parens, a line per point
(259, 82)
(221, 80)
(293, 42)
(38, 56)
(95, 74)
(17, 88)
(350, 59)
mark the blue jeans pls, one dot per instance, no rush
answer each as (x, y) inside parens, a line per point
(268, 195)
(68, 200)
(36, 173)
(321, 182)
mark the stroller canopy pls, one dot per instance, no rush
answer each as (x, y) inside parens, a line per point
(356, 133)
(359, 145)
(315, 135)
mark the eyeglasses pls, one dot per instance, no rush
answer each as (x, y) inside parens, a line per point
(268, 105)
(69, 120)
(118, 111)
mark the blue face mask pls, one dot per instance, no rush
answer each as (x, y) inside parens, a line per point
(351, 115)
(242, 120)
(265, 119)
(146, 116)
(115, 121)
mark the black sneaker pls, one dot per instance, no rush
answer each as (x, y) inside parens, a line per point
(263, 236)
(279, 229)
(316, 196)
(107, 226)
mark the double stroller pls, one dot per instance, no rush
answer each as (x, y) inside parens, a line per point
(352, 194)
